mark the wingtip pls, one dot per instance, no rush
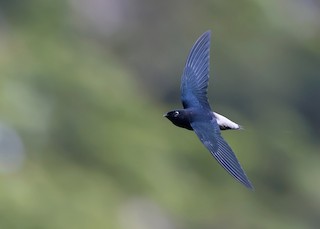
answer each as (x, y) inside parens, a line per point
(249, 186)
(245, 181)
(207, 33)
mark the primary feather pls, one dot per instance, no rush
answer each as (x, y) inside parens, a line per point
(194, 82)
(209, 135)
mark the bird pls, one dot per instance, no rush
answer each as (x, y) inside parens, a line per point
(197, 114)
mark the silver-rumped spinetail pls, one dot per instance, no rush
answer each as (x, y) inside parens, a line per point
(197, 114)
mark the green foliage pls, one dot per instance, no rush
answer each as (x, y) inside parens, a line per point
(85, 85)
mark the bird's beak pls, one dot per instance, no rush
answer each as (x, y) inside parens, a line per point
(165, 115)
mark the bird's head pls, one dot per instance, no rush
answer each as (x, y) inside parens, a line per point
(178, 118)
(173, 115)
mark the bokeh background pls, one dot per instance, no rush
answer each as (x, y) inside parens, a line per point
(84, 85)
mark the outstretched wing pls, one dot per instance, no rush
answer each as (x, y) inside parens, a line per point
(210, 136)
(194, 82)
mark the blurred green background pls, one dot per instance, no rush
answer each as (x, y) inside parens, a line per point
(84, 85)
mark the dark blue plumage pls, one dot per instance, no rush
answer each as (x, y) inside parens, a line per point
(197, 114)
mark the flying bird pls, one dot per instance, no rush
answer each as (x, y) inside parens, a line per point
(197, 114)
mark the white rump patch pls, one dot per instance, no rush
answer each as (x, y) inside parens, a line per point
(226, 123)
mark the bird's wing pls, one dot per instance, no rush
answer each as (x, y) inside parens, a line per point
(194, 82)
(210, 136)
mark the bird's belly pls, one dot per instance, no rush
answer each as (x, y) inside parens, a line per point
(184, 124)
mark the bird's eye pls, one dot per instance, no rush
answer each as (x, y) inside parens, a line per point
(176, 113)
